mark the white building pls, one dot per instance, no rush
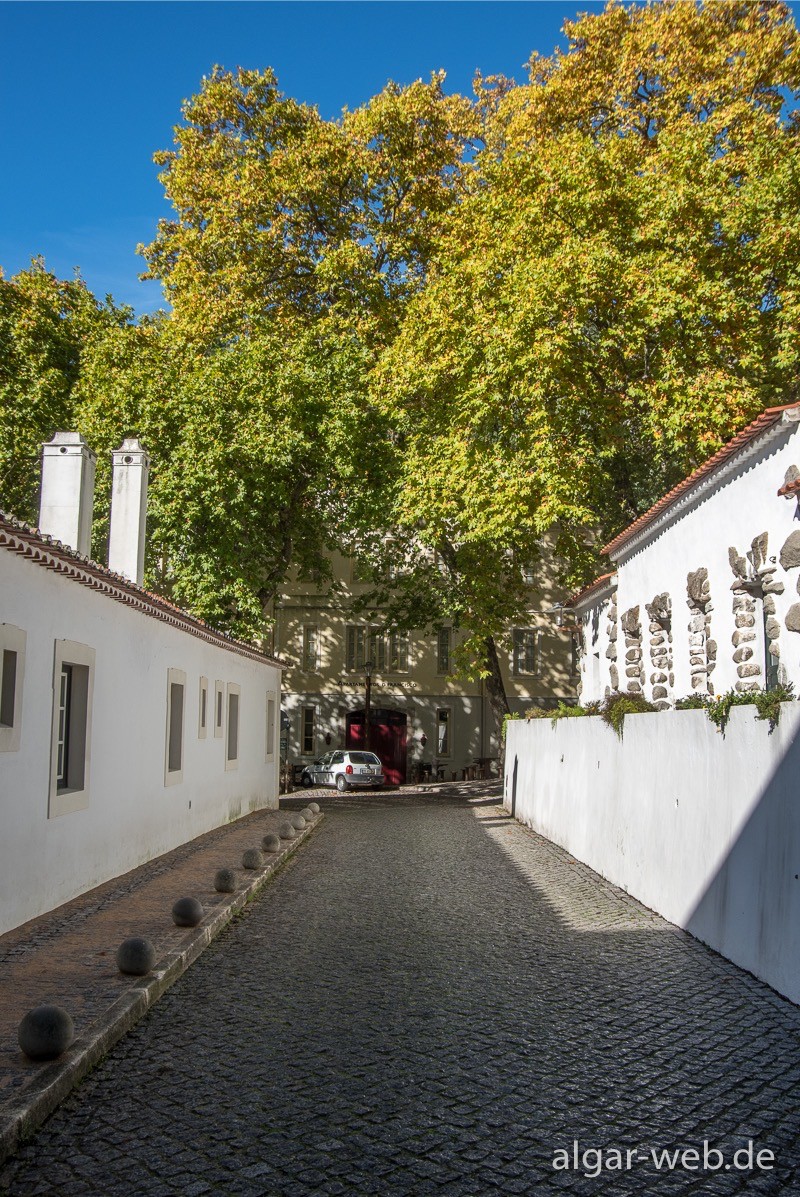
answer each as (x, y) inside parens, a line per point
(705, 594)
(127, 727)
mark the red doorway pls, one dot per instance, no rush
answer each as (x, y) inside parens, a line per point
(387, 739)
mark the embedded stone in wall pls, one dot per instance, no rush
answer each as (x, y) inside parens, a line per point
(745, 620)
(792, 620)
(769, 604)
(758, 550)
(630, 622)
(738, 564)
(773, 627)
(749, 670)
(747, 687)
(697, 585)
(775, 587)
(613, 676)
(790, 553)
(742, 635)
(742, 654)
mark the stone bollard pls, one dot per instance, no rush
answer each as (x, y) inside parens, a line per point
(45, 1032)
(307, 813)
(224, 881)
(136, 956)
(314, 806)
(271, 842)
(252, 859)
(286, 831)
(187, 912)
(298, 822)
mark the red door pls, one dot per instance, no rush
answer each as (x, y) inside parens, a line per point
(387, 740)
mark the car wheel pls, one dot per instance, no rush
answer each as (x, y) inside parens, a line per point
(341, 784)
(306, 780)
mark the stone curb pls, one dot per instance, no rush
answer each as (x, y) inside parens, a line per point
(51, 1084)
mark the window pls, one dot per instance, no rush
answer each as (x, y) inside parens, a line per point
(219, 709)
(398, 651)
(70, 749)
(176, 688)
(377, 651)
(202, 714)
(529, 574)
(308, 731)
(525, 657)
(12, 668)
(232, 740)
(271, 713)
(443, 650)
(310, 649)
(443, 732)
(356, 646)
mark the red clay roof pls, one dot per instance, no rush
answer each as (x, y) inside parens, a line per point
(42, 550)
(597, 584)
(760, 425)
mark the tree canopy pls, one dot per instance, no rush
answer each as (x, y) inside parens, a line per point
(536, 309)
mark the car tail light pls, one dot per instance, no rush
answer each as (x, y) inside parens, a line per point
(348, 768)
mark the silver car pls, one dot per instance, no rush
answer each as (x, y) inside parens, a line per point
(344, 769)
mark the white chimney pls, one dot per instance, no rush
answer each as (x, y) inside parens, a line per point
(128, 510)
(65, 511)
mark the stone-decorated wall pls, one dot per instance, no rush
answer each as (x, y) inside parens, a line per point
(757, 632)
(662, 679)
(611, 651)
(702, 649)
(634, 665)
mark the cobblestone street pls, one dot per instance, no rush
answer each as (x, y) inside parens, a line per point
(432, 999)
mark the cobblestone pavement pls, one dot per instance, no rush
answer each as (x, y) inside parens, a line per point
(435, 1000)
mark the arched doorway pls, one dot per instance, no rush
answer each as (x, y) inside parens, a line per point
(387, 739)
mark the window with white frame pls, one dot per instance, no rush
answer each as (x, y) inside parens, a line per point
(202, 712)
(219, 709)
(272, 712)
(173, 759)
(443, 650)
(70, 749)
(12, 672)
(310, 648)
(525, 654)
(232, 738)
(443, 734)
(308, 731)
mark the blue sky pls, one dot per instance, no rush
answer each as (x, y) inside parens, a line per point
(89, 91)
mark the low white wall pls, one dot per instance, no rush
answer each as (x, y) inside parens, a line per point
(702, 827)
(131, 816)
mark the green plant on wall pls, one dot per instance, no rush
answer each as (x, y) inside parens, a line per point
(718, 708)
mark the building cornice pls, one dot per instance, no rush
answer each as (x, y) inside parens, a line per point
(768, 426)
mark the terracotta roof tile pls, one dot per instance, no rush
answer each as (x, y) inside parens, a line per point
(597, 584)
(760, 425)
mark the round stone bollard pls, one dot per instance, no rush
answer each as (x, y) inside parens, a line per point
(252, 859)
(298, 822)
(187, 912)
(136, 956)
(286, 831)
(307, 813)
(314, 806)
(224, 881)
(271, 842)
(45, 1032)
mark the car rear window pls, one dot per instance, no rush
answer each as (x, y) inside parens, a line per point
(364, 758)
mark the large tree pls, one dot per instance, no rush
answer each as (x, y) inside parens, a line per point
(46, 327)
(615, 297)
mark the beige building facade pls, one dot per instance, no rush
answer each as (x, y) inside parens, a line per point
(424, 721)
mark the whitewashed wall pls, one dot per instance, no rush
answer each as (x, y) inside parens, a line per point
(132, 816)
(731, 512)
(702, 827)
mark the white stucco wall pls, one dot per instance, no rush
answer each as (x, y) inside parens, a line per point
(702, 827)
(731, 512)
(131, 816)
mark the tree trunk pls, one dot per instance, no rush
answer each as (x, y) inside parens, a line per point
(498, 701)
